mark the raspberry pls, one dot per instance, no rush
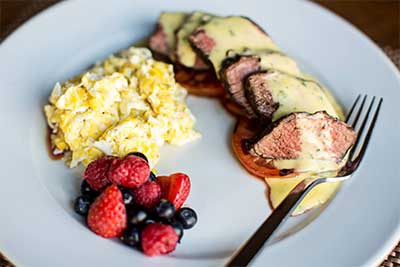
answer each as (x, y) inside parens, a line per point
(97, 171)
(158, 238)
(147, 195)
(107, 214)
(175, 188)
(130, 172)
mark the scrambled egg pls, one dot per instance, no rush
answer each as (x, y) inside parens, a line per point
(128, 102)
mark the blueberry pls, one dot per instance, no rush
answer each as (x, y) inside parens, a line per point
(82, 205)
(87, 191)
(165, 209)
(137, 216)
(138, 154)
(152, 177)
(187, 217)
(131, 237)
(127, 196)
(178, 227)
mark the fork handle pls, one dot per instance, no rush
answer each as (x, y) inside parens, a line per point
(247, 252)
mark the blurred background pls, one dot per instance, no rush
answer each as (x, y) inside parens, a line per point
(379, 19)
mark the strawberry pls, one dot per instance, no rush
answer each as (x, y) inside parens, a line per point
(96, 173)
(158, 238)
(175, 188)
(107, 214)
(130, 171)
(147, 195)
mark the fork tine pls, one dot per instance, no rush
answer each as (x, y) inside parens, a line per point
(360, 109)
(362, 127)
(352, 108)
(368, 135)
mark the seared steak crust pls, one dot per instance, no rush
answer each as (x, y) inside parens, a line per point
(259, 96)
(234, 71)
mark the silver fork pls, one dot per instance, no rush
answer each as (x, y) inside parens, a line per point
(248, 251)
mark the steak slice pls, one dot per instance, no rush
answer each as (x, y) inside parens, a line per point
(258, 101)
(221, 36)
(185, 54)
(158, 41)
(259, 96)
(302, 135)
(162, 41)
(274, 94)
(233, 74)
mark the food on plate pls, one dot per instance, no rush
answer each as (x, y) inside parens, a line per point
(163, 40)
(96, 173)
(188, 217)
(288, 123)
(232, 107)
(158, 238)
(128, 102)
(107, 214)
(175, 188)
(199, 82)
(236, 71)
(135, 212)
(273, 94)
(221, 36)
(130, 172)
(147, 195)
(115, 117)
(280, 188)
(245, 130)
(185, 54)
(302, 139)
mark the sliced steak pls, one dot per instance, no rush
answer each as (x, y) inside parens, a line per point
(274, 94)
(259, 96)
(185, 54)
(256, 97)
(302, 135)
(202, 42)
(233, 74)
(162, 41)
(221, 36)
(158, 41)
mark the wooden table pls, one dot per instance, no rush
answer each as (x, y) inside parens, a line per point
(379, 19)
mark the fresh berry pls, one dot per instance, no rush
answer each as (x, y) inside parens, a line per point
(152, 177)
(107, 214)
(97, 171)
(175, 188)
(130, 171)
(137, 216)
(187, 217)
(82, 205)
(127, 196)
(165, 209)
(131, 237)
(158, 239)
(88, 191)
(147, 195)
(178, 227)
(138, 154)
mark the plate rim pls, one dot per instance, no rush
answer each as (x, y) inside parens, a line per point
(355, 30)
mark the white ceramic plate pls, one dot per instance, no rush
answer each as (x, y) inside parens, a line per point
(37, 224)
